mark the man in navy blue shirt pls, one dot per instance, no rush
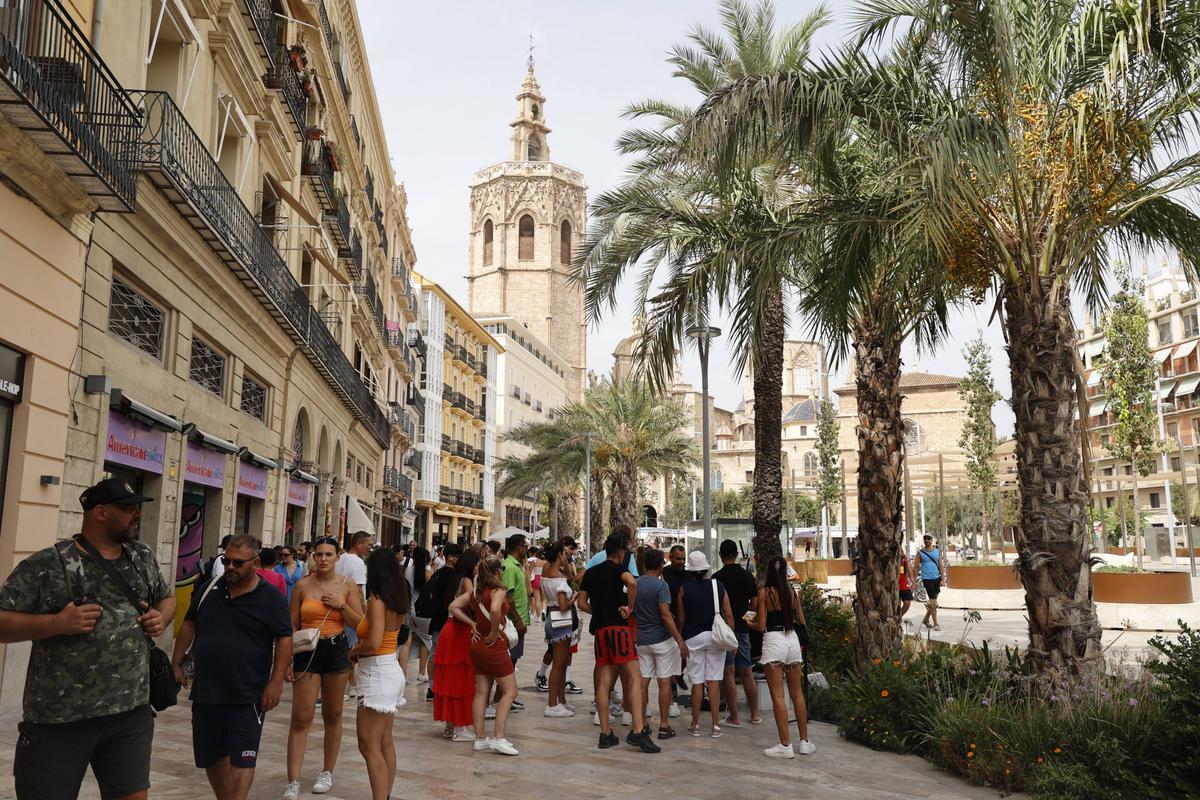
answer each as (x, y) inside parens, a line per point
(240, 633)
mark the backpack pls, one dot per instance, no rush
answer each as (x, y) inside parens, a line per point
(429, 598)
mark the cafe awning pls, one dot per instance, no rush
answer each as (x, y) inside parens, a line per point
(1097, 406)
(1187, 386)
(1184, 350)
(1162, 355)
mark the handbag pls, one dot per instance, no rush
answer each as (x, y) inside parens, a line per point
(561, 620)
(164, 689)
(305, 640)
(723, 636)
(510, 633)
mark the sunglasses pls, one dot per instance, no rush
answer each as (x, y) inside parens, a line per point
(236, 563)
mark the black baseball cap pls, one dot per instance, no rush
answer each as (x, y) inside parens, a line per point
(111, 490)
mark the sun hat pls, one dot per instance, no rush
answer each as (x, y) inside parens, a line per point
(696, 562)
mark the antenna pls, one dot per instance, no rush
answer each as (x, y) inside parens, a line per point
(531, 51)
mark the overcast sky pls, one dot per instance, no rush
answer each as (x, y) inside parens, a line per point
(446, 75)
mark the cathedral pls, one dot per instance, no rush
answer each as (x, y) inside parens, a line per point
(528, 214)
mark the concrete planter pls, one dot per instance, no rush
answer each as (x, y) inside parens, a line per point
(1002, 577)
(1159, 588)
(1119, 551)
(820, 570)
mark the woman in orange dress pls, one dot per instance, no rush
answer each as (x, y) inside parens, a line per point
(484, 611)
(453, 672)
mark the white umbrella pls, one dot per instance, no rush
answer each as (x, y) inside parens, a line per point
(502, 535)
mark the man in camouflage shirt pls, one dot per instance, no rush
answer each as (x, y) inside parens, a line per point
(87, 689)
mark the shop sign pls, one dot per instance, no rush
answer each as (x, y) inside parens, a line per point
(297, 493)
(132, 444)
(205, 467)
(252, 481)
(12, 372)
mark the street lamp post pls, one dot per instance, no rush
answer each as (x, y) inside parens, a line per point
(1162, 436)
(704, 334)
(587, 492)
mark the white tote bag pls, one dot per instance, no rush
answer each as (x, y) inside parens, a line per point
(722, 635)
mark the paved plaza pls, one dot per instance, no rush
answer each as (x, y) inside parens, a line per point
(558, 758)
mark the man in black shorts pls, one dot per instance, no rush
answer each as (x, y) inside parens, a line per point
(933, 576)
(240, 632)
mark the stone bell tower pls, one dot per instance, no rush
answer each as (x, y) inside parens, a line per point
(527, 220)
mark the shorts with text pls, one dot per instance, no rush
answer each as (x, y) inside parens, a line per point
(222, 731)
(614, 646)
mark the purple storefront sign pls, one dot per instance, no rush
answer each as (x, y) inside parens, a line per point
(205, 467)
(252, 481)
(297, 493)
(132, 444)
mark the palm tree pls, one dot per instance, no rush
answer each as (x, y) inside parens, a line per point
(672, 212)
(1055, 131)
(639, 433)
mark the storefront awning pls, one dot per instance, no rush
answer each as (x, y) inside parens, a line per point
(1187, 386)
(124, 404)
(1097, 406)
(1184, 350)
(357, 518)
(198, 436)
(1164, 389)
(307, 477)
(1162, 355)
(246, 454)
(1094, 378)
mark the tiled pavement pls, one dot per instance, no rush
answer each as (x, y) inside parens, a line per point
(558, 759)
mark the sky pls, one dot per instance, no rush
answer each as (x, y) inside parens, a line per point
(446, 75)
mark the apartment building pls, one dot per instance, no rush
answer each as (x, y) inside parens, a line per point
(456, 492)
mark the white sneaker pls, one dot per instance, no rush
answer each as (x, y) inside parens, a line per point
(806, 747)
(482, 744)
(324, 783)
(627, 719)
(502, 746)
(674, 712)
(558, 711)
(569, 707)
(780, 751)
(292, 792)
(490, 713)
(463, 735)
(422, 679)
(595, 717)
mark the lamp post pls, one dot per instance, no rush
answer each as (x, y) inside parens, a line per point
(1162, 436)
(704, 334)
(587, 492)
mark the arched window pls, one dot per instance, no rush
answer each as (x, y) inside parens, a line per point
(564, 243)
(298, 440)
(810, 463)
(488, 235)
(535, 110)
(525, 238)
(913, 437)
(535, 148)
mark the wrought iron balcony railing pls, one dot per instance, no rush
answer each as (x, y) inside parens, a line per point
(415, 399)
(371, 297)
(400, 271)
(326, 28)
(447, 443)
(176, 160)
(446, 495)
(369, 185)
(352, 256)
(338, 221)
(406, 486)
(281, 77)
(391, 478)
(318, 167)
(397, 417)
(57, 90)
(264, 25)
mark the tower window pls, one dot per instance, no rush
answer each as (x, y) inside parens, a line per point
(488, 235)
(535, 148)
(525, 238)
(535, 110)
(564, 243)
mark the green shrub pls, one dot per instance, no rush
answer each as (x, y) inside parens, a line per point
(1177, 668)
(830, 632)
(883, 707)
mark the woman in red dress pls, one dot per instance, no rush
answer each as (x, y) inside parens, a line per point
(484, 611)
(453, 674)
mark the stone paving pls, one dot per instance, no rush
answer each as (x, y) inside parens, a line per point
(559, 759)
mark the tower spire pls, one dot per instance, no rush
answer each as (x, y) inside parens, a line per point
(529, 128)
(531, 52)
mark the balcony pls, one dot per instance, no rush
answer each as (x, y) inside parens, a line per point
(416, 341)
(477, 455)
(446, 495)
(337, 220)
(371, 296)
(415, 399)
(483, 369)
(398, 418)
(177, 162)
(341, 78)
(369, 185)
(55, 89)
(391, 478)
(326, 28)
(516, 392)
(318, 166)
(400, 271)
(447, 444)
(265, 26)
(352, 256)
(406, 486)
(282, 77)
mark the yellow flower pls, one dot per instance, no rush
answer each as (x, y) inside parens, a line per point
(970, 754)
(877, 661)
(1058, 749)
(971, 746)
(1007, 771)
(895, 663)
(884, 693)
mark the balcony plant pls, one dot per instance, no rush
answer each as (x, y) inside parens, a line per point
(314, 133)
(298, 57)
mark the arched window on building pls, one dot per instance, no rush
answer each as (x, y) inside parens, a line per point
(564, 243)
(913, 437)
(535, 148)
(488, 236)
(525, 238)
(811, 463)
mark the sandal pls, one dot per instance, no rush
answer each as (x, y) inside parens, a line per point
(754, 721)
(717, 733)
(937, 627)
(666, 733)
(728, 723)
(693, 730)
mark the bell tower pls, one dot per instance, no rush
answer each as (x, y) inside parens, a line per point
(528, 217)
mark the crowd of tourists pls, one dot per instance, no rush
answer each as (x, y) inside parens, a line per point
(342, 626)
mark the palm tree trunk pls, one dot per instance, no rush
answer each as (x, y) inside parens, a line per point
(1054, 540)
(566, 512)
(877, 631)
(596, 534)
(625, 494)
(767, 505)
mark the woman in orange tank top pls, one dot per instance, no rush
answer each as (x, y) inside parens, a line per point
(328, 602)
(380, 679)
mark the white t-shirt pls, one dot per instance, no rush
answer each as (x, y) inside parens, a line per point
(353, 567)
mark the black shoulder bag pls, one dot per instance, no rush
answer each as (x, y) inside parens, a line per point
(164, 689)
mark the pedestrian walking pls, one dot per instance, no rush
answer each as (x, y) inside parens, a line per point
(560, 626)
(516, 583)
(453, 673)
(65, 600)
(906, 592)
(352, 564)
(267, 561)
(660, 646)
(380, 678)
(239, 634)
(417, 570)
(291, 567)
(933, 576)
(743, 598)
(779, 613)
(700, 600)
(328, 603)
(483, 611)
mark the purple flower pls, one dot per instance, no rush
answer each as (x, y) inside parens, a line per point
(986, 702)
(1132, 701)
(949, 699)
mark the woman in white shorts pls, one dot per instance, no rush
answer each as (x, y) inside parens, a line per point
(380, 678)
(779, 613)
(700, 599)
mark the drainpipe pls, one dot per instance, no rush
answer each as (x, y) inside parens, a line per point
(97, 14)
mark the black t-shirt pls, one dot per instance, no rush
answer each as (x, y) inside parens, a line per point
(606, 594)
(235, 641)
(675, 577)
(441, 594)
(741, 586)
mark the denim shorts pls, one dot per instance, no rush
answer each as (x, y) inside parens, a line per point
(740, 658)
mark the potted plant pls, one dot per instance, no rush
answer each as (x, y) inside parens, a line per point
(298, 57)
(335, 154)
(315, 133)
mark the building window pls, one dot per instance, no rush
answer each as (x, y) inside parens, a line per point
(804, 430)
(254, 401)
(358, 473)
(135, 319)
(912, 437)
(1191, 325)
(1155, 500)
(1172, 430)
(488, 236)
(1108, 502)
(535, 148)
(1164, 332)
(207, 367)
(349, 467)
(297, 438)
(370, 479)
(564, 243)
(1175, 464)
(525, 238)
